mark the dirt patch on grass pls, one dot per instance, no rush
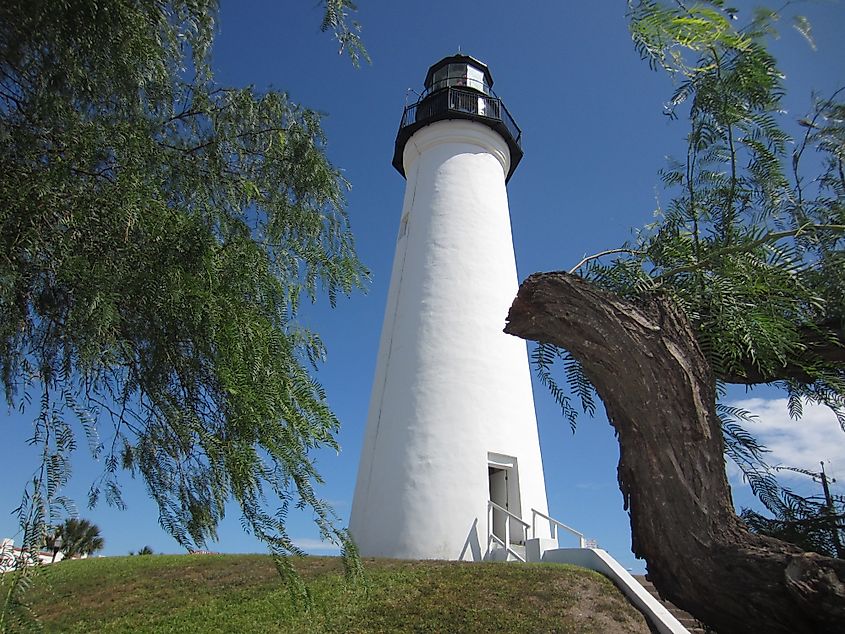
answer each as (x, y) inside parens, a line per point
(599, 606)
(500, 598)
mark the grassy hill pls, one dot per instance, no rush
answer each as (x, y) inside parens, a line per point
(243, 593)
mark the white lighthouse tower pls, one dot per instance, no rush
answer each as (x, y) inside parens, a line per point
(451, 467)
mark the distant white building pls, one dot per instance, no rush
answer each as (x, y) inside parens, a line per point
(451, 466)
(9, 556)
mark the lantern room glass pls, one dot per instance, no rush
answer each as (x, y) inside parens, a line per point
(460, 75)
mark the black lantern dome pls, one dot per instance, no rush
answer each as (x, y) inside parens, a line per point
(459, 87)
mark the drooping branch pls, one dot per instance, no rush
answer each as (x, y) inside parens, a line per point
(659, 394)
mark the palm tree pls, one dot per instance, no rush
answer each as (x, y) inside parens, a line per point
(79, 537)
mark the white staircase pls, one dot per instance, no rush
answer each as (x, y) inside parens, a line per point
(510, 538)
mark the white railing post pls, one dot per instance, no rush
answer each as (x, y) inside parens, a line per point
(489, 529)
(489, 520)
(507, 534)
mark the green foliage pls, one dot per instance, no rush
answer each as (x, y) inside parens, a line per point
(543, 357)
(752, 243)
(813, 523)
(157, 235)
(17, 614)
(749, 246)
(798, 522)
(78, 537)
(336, 19)
(753, 257)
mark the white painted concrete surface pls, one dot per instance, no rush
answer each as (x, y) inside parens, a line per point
(450, 387)
(601, 561)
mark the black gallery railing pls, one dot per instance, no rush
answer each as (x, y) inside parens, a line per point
(461, 101)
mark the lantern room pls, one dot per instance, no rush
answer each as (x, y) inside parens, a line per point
(459, 70)
(459, 87)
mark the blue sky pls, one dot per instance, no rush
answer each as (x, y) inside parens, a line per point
(594, 139)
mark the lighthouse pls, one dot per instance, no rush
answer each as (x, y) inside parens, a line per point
(450, 466)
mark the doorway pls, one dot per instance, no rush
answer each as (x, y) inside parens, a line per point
(503, 488)
(498, 479)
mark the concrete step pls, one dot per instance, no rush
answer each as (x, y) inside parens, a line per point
(693, 625)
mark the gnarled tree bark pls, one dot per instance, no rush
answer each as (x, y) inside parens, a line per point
(659, 393)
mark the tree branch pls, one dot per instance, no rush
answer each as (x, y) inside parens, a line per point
(798, 153)
(595, 256)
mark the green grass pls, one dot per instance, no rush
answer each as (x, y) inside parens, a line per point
(243, 593)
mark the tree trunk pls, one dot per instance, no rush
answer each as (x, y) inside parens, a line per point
(659, 393)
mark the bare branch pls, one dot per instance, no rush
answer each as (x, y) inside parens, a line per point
(595, 256)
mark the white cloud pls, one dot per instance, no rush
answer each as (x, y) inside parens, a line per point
(309, 544)
(802, 443)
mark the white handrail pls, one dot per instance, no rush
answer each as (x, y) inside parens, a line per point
(554, 524)
(508, 513)
(491, 507)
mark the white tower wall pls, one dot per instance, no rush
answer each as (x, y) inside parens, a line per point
(450, 388)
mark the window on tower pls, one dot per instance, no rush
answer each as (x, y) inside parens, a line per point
(457, 75)
(460, 75)
(439, 79)
(475, 79)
